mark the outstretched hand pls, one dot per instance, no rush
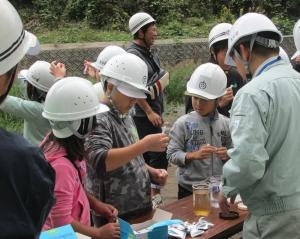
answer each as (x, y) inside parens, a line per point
(58, 69)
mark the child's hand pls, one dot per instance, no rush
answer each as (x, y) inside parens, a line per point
(108, 231)
(155, 142)
(159, 176)
(58, 69)
(155, 119)
(106, 210)
(91, 71)
(222, 153)
(203, 153)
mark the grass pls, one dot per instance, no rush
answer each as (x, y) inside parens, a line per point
(73, 33)
(81, 32)
(8, 121)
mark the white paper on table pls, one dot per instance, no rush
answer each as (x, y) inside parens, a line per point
(80, 236)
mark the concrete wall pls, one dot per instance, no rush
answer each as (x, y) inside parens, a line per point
(171, 52)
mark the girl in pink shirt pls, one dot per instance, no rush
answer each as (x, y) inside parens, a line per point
(70, 106)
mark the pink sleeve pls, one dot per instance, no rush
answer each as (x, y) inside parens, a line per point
(61, 213)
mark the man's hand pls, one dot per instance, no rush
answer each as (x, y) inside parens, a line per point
(227, 98)
(223, 203)
(222, 153)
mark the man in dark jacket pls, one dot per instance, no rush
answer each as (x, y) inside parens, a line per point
(148, 113)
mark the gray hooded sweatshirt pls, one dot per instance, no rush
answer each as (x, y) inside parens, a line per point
(189, 133)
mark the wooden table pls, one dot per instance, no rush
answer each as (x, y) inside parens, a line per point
(183, 210)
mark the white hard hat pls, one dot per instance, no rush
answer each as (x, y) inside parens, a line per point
(107, 53)
(284, 56)
(248, 25)
(15, 42)
(218, 33)
(39, 75)
(68, 101)
(98, 87)
(208, 81)
(296, 34)
(128, 70)
(138, 20)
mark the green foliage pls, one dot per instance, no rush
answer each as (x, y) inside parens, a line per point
(73, 33)
(106, 15)
(8, 121)
(284, 24)
(177, 18)
(75, 10)
(179, 76)
(226, 15)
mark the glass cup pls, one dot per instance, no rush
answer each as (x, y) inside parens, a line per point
(214, 185)
(201, 199)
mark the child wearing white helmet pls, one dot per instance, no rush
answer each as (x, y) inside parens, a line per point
(37, 81)
(296, 56)
(218, 41)
(199, 140)
(64, 150)
(93, 69)
(26, 179)
(263, 165)
(148, 112)
(117, 173)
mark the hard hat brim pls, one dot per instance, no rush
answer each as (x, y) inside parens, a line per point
(30, 46)
(123, 78)
(203, 95)
(101, 108)
(132, 92)
(96, 66)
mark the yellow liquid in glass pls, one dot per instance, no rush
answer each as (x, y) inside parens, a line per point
(201, 202)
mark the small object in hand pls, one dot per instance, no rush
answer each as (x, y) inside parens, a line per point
(231, 215)
(242, 206)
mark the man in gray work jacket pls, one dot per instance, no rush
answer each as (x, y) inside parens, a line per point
(264, 163)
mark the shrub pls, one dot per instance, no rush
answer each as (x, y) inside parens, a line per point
(179, 75)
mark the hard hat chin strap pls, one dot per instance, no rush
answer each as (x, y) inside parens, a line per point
(246, 64)
(76, 133)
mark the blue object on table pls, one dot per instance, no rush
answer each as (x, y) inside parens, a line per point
(160, 229)
(64, 232)
(126, 230)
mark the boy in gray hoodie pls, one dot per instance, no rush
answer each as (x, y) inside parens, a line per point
(199, 140)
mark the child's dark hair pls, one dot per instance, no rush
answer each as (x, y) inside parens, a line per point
(219, 46)
(73, 145)
(35, 94)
